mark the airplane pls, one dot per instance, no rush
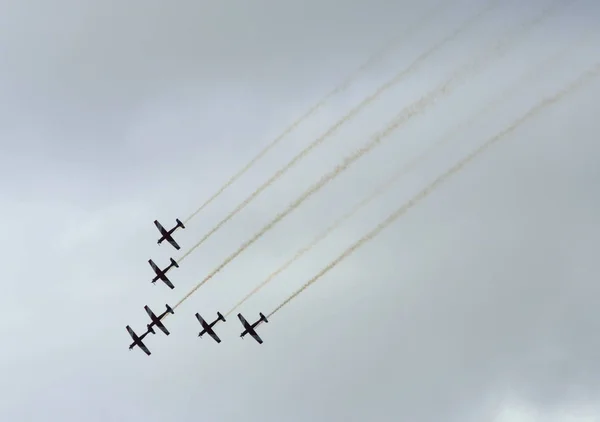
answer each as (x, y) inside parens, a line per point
(156, 320)
(161, 274)
(166, 235)
(249, 329)
(137, 340)
(207, 328)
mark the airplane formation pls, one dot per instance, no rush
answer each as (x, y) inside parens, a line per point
(157, 320)
(429, 99)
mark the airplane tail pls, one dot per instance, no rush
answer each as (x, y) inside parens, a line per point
(169, 309)
(150, 329)
(221, 317)
(174, 263)
(264, 318)
(179, 223)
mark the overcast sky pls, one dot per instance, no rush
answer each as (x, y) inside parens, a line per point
(479, 304)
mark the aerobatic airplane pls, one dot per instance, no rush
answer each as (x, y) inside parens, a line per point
(249, 329)
(156, 320)
(161, 274)
(207, 328)
(137, 340)
(166, 235)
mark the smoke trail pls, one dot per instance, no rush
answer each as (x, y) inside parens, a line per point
(586, 77)
(405, 115)
(322, 236)
(413, 67)
(393, 43)
(373, 59)
(397, 175)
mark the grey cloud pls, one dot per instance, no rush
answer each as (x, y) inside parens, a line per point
(479, 300)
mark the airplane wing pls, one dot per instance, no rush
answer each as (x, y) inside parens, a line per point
(163, 328)
(172, 242)
(201, 320)
(256, 336)
(154, 267)
(167, 281)
(243, 321)
(214, 335)
(160, 228)
(131, 333)
(160, 325)
(144, 348)
(150, 314)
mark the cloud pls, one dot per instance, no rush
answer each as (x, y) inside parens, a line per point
(477, 304)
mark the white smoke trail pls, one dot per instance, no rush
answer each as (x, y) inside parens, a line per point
(381, 189)
(304, 153)
(405, 115)
(534, 72)
(586, 77)
(372, 60)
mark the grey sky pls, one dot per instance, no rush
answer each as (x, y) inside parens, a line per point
(477, 305)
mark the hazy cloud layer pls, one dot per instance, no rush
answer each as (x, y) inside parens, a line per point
(479, 304)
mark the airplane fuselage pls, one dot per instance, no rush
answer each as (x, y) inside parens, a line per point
(137, 341)
(212, 324)
(161, 273)
(250, 328)
(156, 320)
(166, 234)
(159, 318)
